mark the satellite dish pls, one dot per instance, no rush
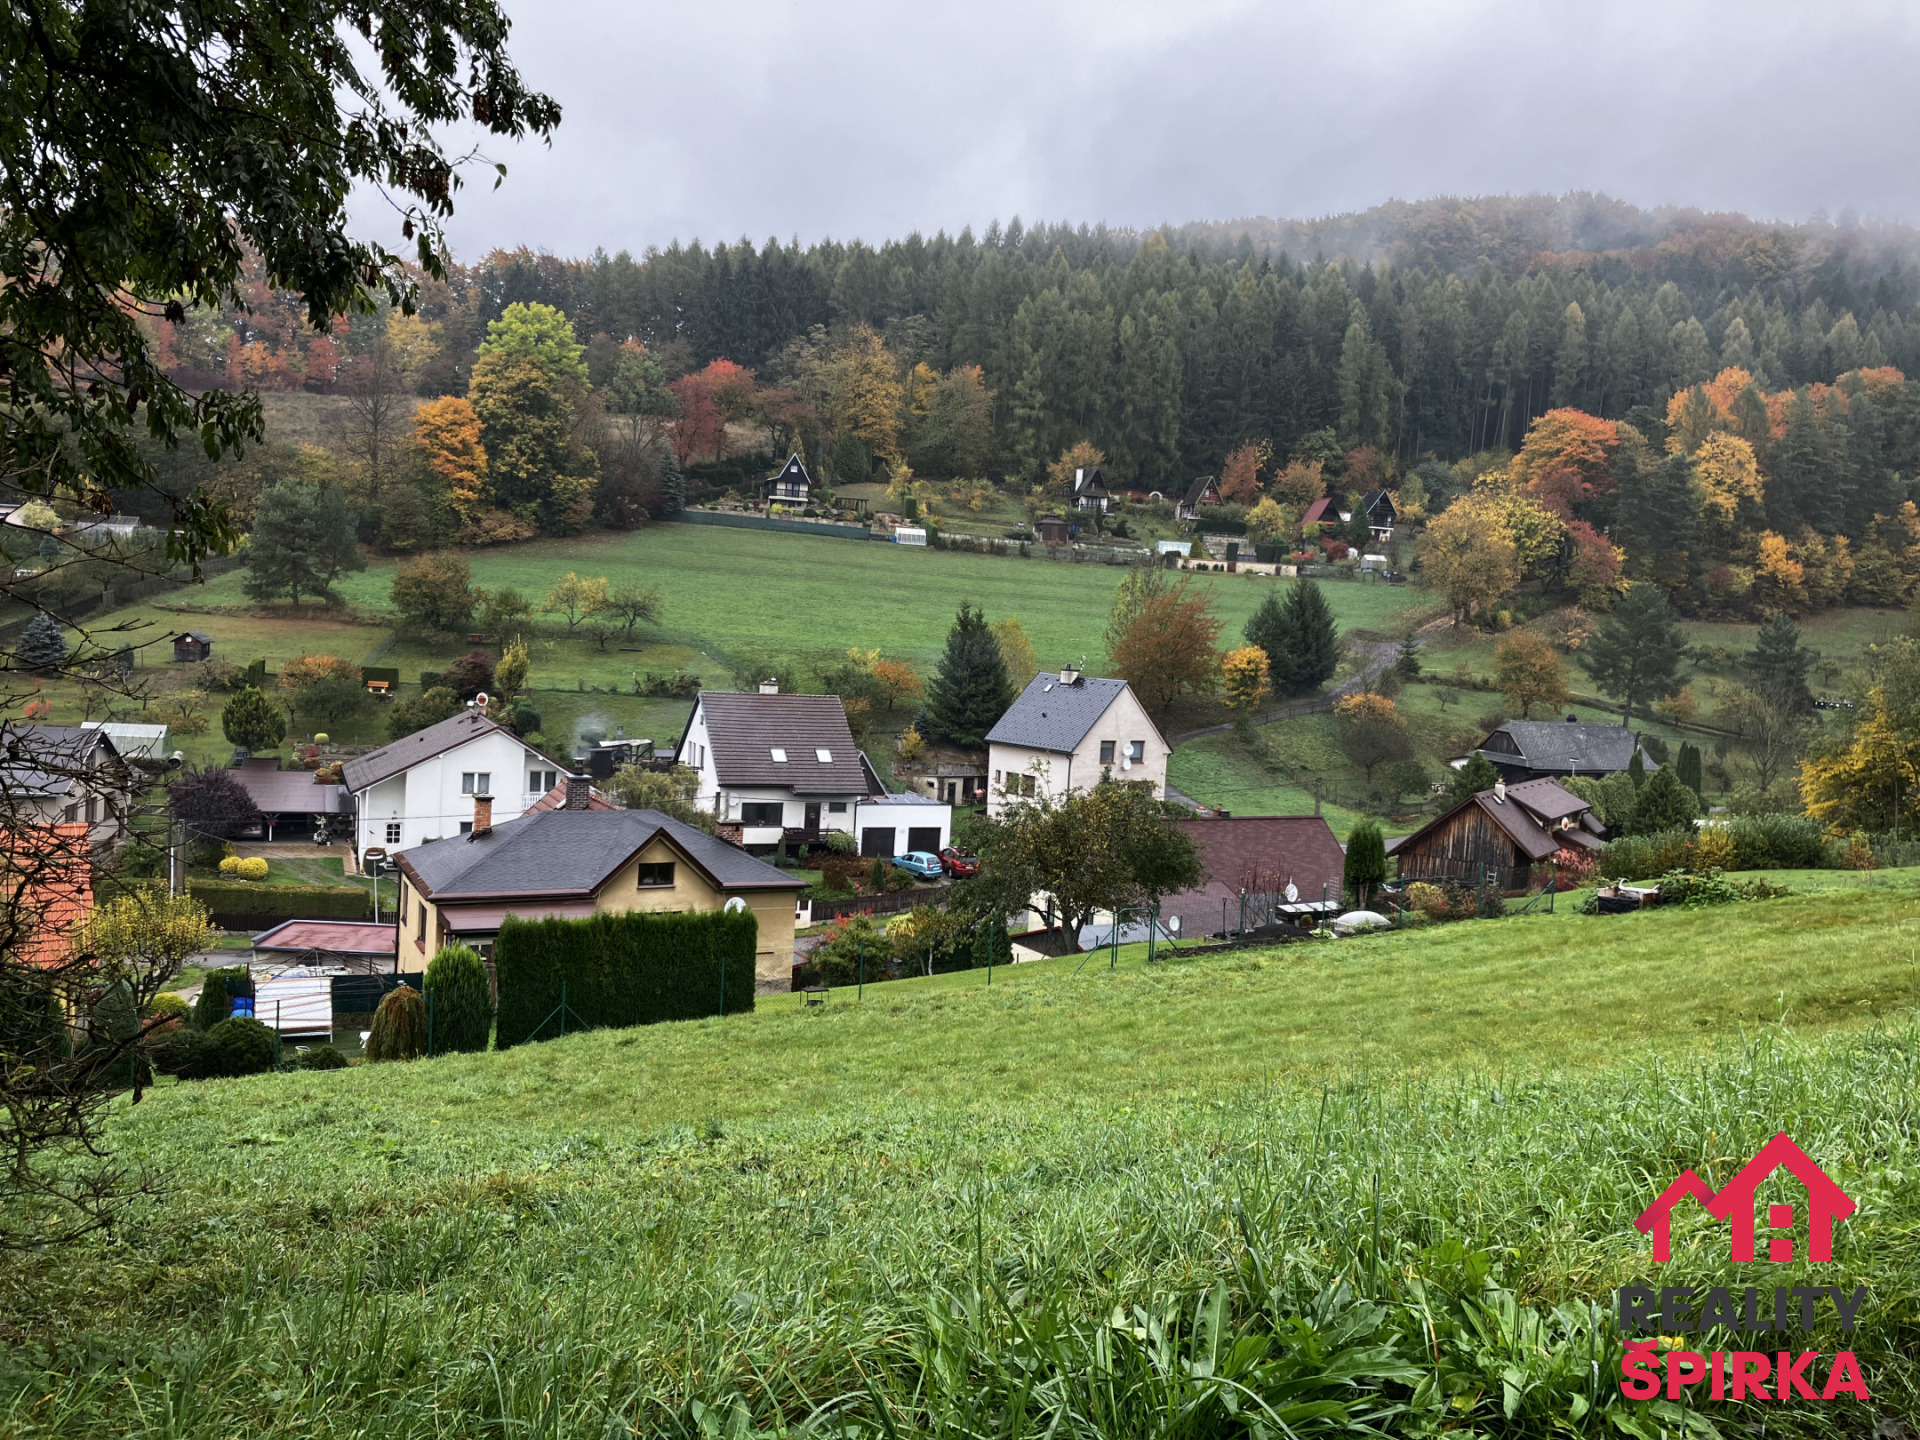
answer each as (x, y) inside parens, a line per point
(735, 905)
(1173, 924)
(1126, 762)
(480, 701)
(1293, 893)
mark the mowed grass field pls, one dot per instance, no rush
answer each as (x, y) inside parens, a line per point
(1076, 1203)
(762, 596)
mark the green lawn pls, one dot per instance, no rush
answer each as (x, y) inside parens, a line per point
(935, 1210)
(761, 597)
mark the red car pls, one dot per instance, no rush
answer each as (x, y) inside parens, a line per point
(958, 862)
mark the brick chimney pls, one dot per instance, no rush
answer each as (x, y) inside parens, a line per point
(579, 792)
(482, 814)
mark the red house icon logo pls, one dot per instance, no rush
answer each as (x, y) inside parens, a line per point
(1736, 1204)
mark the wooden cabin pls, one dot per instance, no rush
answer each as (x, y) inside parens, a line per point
(1203, 491)
(790, 485)
(1054, 530)
(1090, 491)
(190, 647)
(1498, 835)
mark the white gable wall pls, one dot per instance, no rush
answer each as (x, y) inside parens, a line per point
(427, 801)
(1123, 723)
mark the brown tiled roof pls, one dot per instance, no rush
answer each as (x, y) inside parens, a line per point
(744, 731)
(1256, 853)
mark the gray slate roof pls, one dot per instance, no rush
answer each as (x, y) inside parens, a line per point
(573, 852)
(1576, 748)
(1051, 716)
(436, 739)
(44, 760)
(743, 731)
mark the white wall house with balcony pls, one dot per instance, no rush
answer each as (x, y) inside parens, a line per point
(421, 788)
(776, 767)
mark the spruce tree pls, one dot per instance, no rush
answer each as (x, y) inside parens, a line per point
(1777, 666)
(970, 691)
(1664, 804)
(1312, 645)
(1267, 627)
(1471, 778)
(1636, 653)
(302, 541)
(42, 646)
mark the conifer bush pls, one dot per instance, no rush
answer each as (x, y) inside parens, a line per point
(462, 1000)
(239, 1046)
(399, 1027)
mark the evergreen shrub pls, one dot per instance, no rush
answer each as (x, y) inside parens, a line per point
(399, 1026)
(239, 1046)
(322, 1057)
(211, 1007)
(462, 999)
(627, 969)
(306, 902)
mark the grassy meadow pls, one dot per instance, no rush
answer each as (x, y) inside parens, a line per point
(1381, 1184)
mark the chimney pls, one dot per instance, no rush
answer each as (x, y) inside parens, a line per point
(579, 792)
(482, 814)
(1078, 476)
(770, 686)
(1069, 674)
(1499, 792)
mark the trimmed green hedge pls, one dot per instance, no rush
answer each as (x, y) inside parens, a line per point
(304, 902)
(630, 969)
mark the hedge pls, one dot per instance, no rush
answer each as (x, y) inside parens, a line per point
(629, 969)
(1759, 842)
(303, 902)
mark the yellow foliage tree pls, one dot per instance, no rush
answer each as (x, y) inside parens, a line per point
(1528, 672)
(575, 600)
(1266, 522)
(1778, 576)
(1017, 654)
(1470, 558)
(867, 394)
(1301, 483)
(1537, 533)
(1081, 455)
(1246, 678)
(1729, 475)
(1870, 783)
(447, 432)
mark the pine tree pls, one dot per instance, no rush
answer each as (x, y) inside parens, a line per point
(302, 542)
(42, 646)
(970, 691)
(1778, 665)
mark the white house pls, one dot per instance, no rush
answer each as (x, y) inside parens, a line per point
(422, 788)
(1065, 732)
(779, 767)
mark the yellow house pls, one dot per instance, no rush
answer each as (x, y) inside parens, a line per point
(573, 861)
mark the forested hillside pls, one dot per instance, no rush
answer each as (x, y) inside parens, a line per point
(1436, 328)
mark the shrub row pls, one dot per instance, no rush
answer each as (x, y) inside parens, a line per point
(305, 902)
(1740, 842)
(628, 969)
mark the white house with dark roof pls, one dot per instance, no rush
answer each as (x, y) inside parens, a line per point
(789, 485)
(1064, 732)
(779, 767)
(577, 861)
(421, 788)
(65, 775)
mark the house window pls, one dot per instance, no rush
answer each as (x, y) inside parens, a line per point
(466, 827)
(421, 933)
(1137, 751)
(824, 756)
(539, 782)
(760, 812)
(476, 782)
(656, 876)
(779, 755)
(393, 832)
(1106, 752)
(1026, 784)
(836, 807)
(71, 813)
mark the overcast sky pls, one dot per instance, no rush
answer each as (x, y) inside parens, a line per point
(845, 118)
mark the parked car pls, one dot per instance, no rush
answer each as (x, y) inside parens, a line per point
(958, 862)
(923, 863)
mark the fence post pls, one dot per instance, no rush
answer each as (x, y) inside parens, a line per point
(276, 1034)
(429, 1024)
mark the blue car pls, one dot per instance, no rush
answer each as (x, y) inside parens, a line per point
(923, 863)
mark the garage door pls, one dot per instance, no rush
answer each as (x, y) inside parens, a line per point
(877, 840)
(924, 837)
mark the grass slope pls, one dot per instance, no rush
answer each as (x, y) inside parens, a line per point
(921, 1211)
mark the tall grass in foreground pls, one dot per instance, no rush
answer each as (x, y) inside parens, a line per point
(1408, 1260)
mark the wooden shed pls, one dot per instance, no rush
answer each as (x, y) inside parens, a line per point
(1497, 836)
(190, 647)
(1053, 530)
